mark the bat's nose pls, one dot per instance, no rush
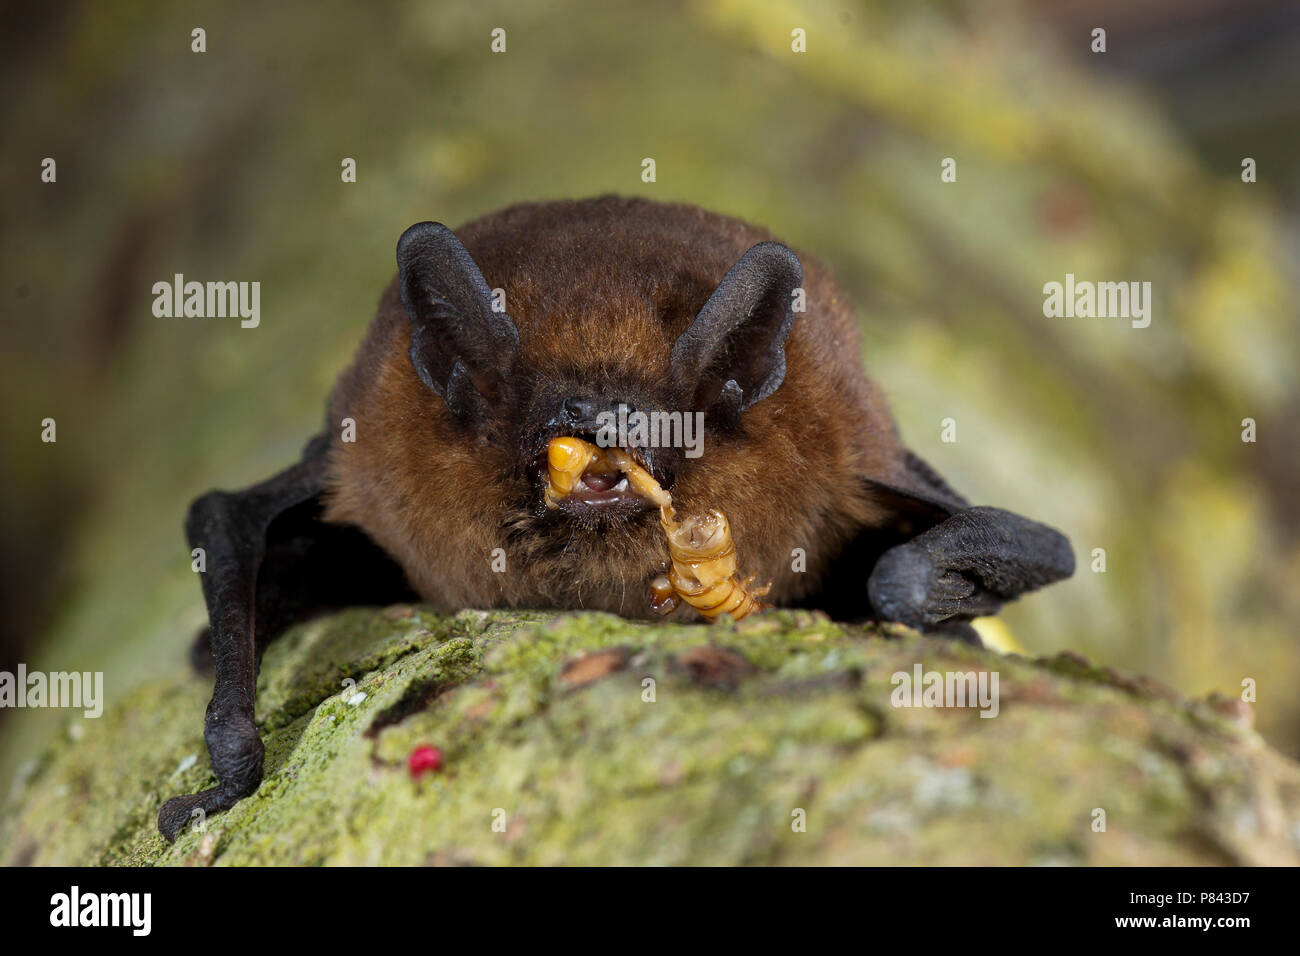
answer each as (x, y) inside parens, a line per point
(579, 410)
(584, 413)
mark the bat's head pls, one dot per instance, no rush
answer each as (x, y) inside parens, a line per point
(661, 369)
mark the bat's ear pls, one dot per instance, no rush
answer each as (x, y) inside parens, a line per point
(460, 346)
(733, 354)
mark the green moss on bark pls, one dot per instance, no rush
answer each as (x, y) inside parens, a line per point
(546, 729)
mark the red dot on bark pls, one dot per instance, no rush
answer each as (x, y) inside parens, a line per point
(424, 759)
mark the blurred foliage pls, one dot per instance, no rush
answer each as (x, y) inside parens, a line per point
(225, 165)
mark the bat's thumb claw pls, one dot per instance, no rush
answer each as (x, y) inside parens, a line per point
(899, 587)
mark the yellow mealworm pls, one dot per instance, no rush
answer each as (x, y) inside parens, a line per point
(704, 567)
(640, 479)
(566, 460)
(703, 572)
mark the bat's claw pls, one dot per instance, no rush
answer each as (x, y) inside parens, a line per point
(236, 752)
(177, 812)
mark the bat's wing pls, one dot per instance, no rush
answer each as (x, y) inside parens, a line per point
(938, 562)
(921, 498)
(270, 561)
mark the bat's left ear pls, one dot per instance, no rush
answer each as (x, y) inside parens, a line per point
(733, 354)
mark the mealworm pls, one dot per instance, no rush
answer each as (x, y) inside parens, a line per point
(566, 460)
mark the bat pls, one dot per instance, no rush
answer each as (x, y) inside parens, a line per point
(453, 467)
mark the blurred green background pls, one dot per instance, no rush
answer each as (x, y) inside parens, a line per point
(1117, 166)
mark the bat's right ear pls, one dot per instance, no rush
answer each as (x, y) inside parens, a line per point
(460, 347)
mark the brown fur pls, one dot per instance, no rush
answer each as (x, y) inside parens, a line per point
(599, 290)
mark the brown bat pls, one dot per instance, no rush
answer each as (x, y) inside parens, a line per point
(542, 321)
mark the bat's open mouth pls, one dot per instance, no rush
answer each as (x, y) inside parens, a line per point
(596, 486)
(581, 478)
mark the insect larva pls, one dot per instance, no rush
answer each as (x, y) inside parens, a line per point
(663, 599)
(641, 480)
(703, 572)
(704, 567)
(566, 460)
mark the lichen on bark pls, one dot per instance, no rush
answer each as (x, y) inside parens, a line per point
(585, 738)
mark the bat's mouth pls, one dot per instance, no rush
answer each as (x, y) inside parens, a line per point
(598, 487)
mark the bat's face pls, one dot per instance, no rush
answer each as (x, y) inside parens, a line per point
(515, 386)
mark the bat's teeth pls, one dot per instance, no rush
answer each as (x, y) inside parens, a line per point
(622, 484)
